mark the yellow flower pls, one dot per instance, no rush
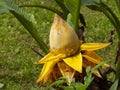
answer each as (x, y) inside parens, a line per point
(67, 53)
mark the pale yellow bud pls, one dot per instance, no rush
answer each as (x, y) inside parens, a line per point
(63, 38)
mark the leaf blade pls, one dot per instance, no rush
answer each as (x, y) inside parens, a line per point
(74, 7)
(114, 86)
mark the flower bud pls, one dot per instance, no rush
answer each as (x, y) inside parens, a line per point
(63, 38)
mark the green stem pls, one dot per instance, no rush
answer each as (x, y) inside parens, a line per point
(76, 23)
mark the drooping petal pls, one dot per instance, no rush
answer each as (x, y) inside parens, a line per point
(47, 68)
(54, 74)
(90, 59)
(74, 62)
(93, 46)
(66, 71)
(87, 63)
(50, 56)
(93, 57)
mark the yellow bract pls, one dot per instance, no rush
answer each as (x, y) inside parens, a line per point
(50, 56)
(74, 62)
(93, 46)
(66, 71)
(67, 52)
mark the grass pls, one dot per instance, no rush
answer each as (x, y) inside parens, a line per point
(17, 71)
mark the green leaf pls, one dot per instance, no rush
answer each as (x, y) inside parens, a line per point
(80, 86)
(88, 78)
(88, 69)
(99, 65)
(74, 8)
(25, 20)
(89, 2)
(59, 81)
(63, 7)
(46, 7)
(114, 86)
(68, 88)
(118, 4)
(69, 19)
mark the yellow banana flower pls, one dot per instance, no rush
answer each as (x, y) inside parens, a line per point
(67, 53)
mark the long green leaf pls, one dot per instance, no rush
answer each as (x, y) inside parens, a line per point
(63, 7)
(80, 86)
(25, 20)
(46, 7)
(68, 88)
(118, 4)
(114, 86)
(74, 7)
(99, 65)
(89, 2)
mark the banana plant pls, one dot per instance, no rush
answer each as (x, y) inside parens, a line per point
(70, 11)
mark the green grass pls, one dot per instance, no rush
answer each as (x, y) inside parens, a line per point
(17, 71)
